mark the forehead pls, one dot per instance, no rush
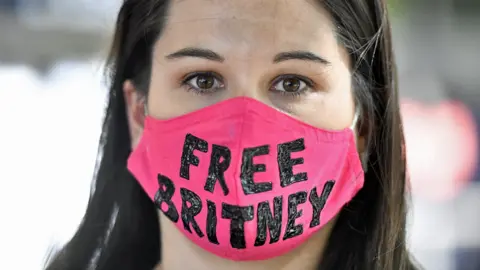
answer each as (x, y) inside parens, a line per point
(287, 24)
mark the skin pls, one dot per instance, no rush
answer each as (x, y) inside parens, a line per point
(247, 35)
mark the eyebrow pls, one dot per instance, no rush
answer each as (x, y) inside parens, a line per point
(196, 53)
(300, 55)
(213, 56)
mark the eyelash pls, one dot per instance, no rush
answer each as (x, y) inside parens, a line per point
(186, 82)
(309, 84)
(191, 76)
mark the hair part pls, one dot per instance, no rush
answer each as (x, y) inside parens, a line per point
(120, 229)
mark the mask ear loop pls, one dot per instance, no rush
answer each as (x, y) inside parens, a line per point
(145, 108)
(355, 120)
(353, 127)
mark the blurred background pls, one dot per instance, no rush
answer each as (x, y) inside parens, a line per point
(52, 96)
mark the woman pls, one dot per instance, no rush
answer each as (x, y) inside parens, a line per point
(232, 126)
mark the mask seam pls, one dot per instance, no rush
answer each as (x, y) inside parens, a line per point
(240, 153)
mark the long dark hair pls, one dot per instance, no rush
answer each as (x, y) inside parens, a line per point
(120, 229)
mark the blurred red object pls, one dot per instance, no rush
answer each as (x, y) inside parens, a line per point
(441, 147)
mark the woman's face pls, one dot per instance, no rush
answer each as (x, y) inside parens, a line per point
(282, 53)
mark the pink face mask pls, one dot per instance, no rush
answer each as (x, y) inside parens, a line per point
(245, 181)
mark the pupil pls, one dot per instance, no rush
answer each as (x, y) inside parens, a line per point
(291, 85)
(205, 82)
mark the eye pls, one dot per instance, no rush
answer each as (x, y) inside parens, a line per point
(291, 84)
(204, 82)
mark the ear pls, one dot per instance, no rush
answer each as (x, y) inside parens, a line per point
(361, 131)
(135, 106)
(362, 148)
(361, 144)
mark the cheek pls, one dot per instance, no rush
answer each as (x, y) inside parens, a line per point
(333, 109)
(166, 100)
(331, 112)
